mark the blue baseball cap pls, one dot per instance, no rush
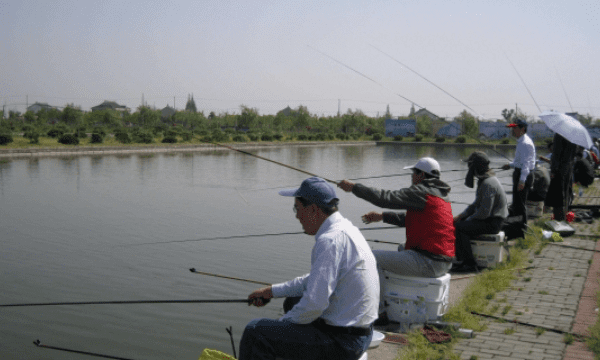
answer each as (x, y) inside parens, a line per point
(315, 190)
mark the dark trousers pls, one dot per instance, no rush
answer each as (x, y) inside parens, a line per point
(466, 230)
(518, 207)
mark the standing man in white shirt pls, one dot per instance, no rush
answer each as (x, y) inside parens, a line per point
(339, 297)
(524, 163)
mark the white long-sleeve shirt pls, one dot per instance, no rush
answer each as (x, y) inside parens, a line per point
(343, 285)
(524, 157)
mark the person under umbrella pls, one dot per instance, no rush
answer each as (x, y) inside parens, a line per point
(484, 216)
(561, 176)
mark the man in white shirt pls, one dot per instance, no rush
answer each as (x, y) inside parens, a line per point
(524, 163)
(339, 297)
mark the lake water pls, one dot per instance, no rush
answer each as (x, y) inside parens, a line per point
(78, 228)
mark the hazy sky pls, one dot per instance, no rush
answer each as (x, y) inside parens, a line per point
(271, 54)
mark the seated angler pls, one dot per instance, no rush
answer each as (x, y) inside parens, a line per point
(484, 216)
(338, 299)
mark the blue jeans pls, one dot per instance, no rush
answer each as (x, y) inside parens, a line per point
(266, 339)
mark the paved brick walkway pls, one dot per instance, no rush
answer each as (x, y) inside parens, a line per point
(559, 293)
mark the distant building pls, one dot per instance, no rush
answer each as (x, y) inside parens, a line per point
(167, 112)
(286, 112)
(39, 106)
(425, 112)
(110, 105)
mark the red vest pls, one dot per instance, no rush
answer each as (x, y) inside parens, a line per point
(431, 229)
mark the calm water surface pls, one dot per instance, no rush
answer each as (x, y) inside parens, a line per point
(78, 228)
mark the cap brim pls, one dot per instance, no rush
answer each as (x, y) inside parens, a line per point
(289, 192)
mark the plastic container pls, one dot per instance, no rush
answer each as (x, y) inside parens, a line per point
(535, 209)
(408, 311)
(412, 287)
(488, 249)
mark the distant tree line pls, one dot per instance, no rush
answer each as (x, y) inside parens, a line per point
(148, 125)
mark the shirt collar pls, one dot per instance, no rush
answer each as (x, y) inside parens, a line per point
(329, 222)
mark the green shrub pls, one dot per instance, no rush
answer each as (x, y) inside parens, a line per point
(377, 137)
(220, 136)
(97, 138)
(239, 138)
(266, 137)
(169, 139)
(187, 135)
(123, 137)
(143, 137)
(341, 136)
(55, 132)
(69, 139)
(302, 137)
(101, 131)
(33, 135)
(418, 137)
(170, 133)
(440, 139)
(321, 137)
(461, 139)
(5, 139)
(398, 138)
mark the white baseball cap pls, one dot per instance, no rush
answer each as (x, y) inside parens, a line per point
(428, 165)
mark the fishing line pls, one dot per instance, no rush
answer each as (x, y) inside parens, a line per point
(40, 345)
(363, 75)
(523, 81)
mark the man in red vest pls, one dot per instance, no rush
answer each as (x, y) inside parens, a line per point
(429, 247)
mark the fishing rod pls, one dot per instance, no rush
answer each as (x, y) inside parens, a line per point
(119, 302)
(447, 93)
(255, 235)
(193, 270)
(374, 177)
(424, 78)
(563, 87)
(40, 345)
(266, 159)
(523, 81)
(365, 76)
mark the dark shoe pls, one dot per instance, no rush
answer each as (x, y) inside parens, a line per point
(465, 268)
(382, 320)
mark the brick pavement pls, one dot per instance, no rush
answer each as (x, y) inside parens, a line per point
(559, 293)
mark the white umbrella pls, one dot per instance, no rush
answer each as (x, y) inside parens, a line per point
(567, 127)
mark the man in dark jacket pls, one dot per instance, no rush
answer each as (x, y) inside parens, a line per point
(561, 176)
(485, 215)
